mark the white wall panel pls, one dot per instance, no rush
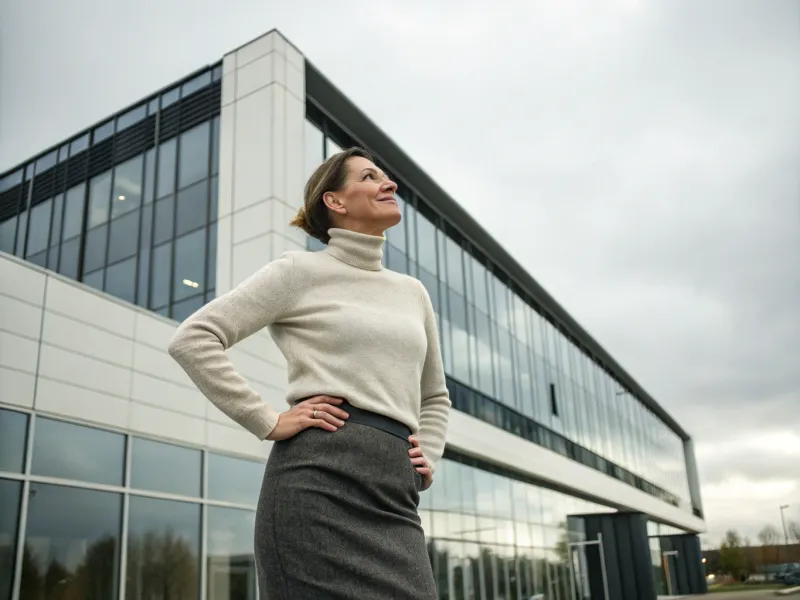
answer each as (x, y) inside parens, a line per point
(253, 157)
(254, 76)
(20, 317)
(68, 400)
(167, 394)
(87, 305)
(18, 353)
(84, 371)
(69, 334)
(16, 387)
(20, 282)
(167, 424)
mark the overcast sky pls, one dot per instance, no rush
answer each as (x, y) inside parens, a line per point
(641, 159)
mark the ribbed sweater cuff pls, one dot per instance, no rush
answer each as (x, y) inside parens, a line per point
(261, 422)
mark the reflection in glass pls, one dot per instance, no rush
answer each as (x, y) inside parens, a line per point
(231, 565)
(165, 468)
(164, 220)
(99, 194)
(166, 168)
(94, 256)
(39, 228)
(193, 164)
(124, 237)
(185, 308)
(73, 451)
(71, 544)
(121, 280)
(10, 501)
(73, 211)
(127, 195)
(68, 263)
(234, 479)
(192, 208)
(314, 148)
(190, 254)
(160, 278)
(8, 232)
(163, 549)
(13, 433)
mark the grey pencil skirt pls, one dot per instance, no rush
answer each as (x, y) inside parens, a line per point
(337, 519)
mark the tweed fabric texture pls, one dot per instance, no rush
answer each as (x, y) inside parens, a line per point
(347, 328)
(337, 519)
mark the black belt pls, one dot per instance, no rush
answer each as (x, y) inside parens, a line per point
(371, 419)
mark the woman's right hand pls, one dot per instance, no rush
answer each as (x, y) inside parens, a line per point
(317, 411)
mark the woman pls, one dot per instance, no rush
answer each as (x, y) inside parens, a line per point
(337, 516)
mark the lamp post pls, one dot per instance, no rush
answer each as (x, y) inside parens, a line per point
(783, 522)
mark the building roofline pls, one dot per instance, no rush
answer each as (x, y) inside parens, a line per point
(348, 116)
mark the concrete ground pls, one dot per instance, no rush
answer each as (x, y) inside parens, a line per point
(755, 595)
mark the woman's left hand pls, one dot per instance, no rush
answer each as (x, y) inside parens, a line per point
(419, 462)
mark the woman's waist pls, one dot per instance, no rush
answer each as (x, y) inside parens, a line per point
(400, 419)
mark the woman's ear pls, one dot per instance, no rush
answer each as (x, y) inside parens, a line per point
(334, 203)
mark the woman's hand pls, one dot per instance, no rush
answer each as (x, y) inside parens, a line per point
(319, 411)
(419, 462)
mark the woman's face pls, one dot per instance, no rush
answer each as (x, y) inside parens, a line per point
(366, 202)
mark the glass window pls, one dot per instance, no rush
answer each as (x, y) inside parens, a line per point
(94, 256)
(164, 220)
(331, 148)
(165, 468)
(21, 229)
(193, 164)
(8, 233)
(166, 168)
(68, 263)
(143, 288)
(426, 237)
(127, 195)
(215, 145)
(103, 131)
(13, 433)
(185, 308)
(95, 279)
(72, 543)
(39, 230)
(214, 203)
(192, 208)
(99, 194)
(190, 253)
(191, 86)
(163, 549)
(10, 494)
(74, 451)
(231, 566)
(46, 162)
(79, 145)
(124, 237)
(314, 148)
(132, 116)
(73, 211)
(160, 276)
(170, 97)
(455, 276)
(149, 175)
(234, 479)
(211, 257)
(58, 215)
(121, 280)
(63, 153)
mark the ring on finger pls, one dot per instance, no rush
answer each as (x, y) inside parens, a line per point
(315, 414)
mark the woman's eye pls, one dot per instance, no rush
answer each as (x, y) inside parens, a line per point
(370, 175)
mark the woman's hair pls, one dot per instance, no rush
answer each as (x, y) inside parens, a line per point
(330, 176)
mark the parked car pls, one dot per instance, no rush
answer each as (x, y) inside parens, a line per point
(792, 578)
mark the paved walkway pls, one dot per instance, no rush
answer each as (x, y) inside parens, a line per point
(757, 595)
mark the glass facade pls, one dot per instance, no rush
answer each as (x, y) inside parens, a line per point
(507, 363)
(110, 515)
(122, 516)
(129, 207)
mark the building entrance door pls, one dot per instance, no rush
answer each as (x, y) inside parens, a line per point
(668, 558)
(583, 582)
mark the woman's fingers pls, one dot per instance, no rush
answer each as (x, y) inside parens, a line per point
(419, 461)
(328, 404)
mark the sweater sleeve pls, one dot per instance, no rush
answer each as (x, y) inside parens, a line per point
(200, 342)
(435, 409)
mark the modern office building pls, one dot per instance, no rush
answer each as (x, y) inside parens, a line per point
(119, 480)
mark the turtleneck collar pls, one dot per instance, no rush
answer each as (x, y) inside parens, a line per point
(356, 249)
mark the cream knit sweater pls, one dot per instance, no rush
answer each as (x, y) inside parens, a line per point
(347, 327)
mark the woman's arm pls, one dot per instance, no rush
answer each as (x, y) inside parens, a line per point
(436, 403)
(200, 343)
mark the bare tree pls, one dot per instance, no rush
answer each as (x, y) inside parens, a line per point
(793, 527)
(769, 536)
